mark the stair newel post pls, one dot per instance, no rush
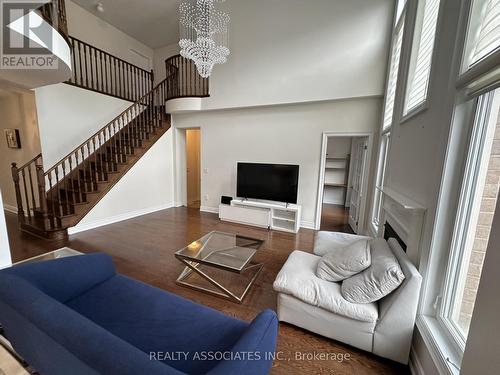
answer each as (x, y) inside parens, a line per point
(42, 196)
(25, 188)
(33, 202)
(19, 199)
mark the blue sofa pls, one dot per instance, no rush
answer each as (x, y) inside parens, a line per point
(77, 316)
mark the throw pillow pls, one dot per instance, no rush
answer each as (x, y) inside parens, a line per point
(381, 278)
(339, 264)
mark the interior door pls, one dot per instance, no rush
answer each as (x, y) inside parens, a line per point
(358, 167)
(193, 168)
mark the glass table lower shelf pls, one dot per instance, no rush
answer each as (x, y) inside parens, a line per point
(220, 264)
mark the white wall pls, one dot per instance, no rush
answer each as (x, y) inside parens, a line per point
(5, 259)
(85, 26)
(18, 111)
(147, 187)
(286, 51)
(281, 134)
(68, 115)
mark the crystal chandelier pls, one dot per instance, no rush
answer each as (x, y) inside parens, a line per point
(203, 31)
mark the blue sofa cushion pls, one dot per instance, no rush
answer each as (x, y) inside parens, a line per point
(154, 320)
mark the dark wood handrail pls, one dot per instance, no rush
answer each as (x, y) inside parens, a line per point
(183, 80)
(97, 70)
(34, 160)
(139, 102)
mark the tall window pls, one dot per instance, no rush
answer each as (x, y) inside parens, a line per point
(393, 73)
(478, 197)
(421, 55)
(483, 37)
(388, 114)
(479, 168)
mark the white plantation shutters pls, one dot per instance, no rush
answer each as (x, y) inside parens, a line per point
(393, 76)
(488, 33)
(423, 47)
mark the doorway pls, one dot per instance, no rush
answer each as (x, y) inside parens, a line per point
(343, 183)
(193, 169)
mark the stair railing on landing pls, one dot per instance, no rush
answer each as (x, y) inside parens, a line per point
(54, 12)
(64, 184)
(183, 80)
(100, 71)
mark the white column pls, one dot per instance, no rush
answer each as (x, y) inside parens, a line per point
(5, 259)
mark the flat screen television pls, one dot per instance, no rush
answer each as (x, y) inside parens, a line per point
(274, 182)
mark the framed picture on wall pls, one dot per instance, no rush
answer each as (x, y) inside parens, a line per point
(13, 140)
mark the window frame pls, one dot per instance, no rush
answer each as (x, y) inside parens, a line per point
(443, 347)
(468, 200)
(380, 179)
(408, 113)
(400, 14)
(399, 30)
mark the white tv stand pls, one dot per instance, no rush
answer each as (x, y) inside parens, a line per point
(265, 214)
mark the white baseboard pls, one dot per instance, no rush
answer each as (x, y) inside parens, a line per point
(212, 210)
(308, 224)
(117, 218)
(415, 364)
(9, 208)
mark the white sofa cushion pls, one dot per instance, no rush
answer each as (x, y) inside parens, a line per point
(324, 241)
(344, 262)
(381, 278)
(298, 278)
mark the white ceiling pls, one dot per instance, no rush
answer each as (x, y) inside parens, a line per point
(152, 22)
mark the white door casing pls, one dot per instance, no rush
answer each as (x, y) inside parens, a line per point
(357, 180)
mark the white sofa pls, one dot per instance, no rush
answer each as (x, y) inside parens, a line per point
(384, 328)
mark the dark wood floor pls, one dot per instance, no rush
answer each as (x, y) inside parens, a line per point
(335, 218)
(143, 248)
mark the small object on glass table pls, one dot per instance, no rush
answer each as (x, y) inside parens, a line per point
(214, 257)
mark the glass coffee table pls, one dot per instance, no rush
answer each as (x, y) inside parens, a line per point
(220, 264)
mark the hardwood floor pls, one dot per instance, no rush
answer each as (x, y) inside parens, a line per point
(335, 218)
(143, 248)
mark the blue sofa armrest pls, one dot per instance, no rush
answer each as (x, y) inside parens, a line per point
(258, 344)
(66, 278)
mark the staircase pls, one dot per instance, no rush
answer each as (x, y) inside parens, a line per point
(50, 202)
